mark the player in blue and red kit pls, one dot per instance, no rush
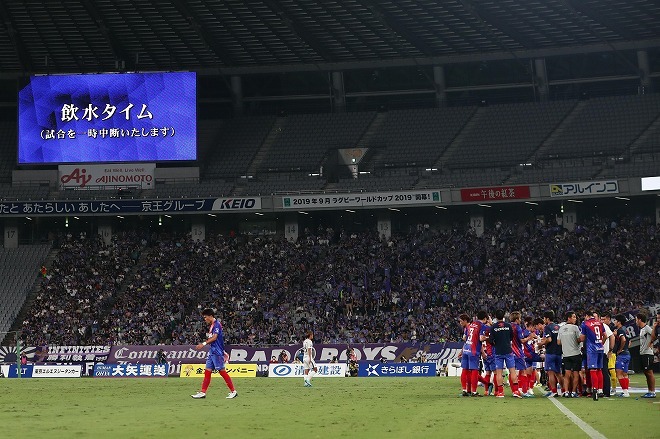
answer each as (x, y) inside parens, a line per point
(216, 356)
(472, 352)
(520, 337)
(593, 336)
(501, 335)
(531, 356)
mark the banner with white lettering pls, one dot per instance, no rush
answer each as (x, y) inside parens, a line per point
(428, 197)
(131, 370)
(176, 355)
(325, 370)
(126, 175)
(371, 369)
(583, 188)
(237, 204)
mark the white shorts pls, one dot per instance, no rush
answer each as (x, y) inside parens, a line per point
(308, 363)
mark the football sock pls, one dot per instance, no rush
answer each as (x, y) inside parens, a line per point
(475, 379)
(625, 383)
(206, 381)
(594, 379)
(522, 379)
(227, 378)
(464, 380)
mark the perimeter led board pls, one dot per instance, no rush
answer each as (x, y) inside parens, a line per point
(110, 117)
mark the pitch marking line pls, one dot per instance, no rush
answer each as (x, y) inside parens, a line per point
(591, 432)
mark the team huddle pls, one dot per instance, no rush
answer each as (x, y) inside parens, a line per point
(576, 359)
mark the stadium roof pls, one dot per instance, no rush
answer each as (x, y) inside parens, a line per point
(246, 36)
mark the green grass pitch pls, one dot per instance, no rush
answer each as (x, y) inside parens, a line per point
(283, 408)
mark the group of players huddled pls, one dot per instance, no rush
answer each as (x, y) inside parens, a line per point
(576, 359)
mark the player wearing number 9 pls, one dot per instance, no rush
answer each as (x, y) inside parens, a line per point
(593, 336)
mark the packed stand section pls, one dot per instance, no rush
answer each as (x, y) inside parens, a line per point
(348, 287)
(71, 306)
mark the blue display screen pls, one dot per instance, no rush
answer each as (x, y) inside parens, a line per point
(122, 117)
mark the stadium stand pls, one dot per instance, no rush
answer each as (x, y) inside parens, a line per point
(419, 137)
(209, 188)
(7, 150)
(352, 286)
(304, 140)
(19, 268)
(605, 126)
(507, 135)
(236, 145)
(266, 184)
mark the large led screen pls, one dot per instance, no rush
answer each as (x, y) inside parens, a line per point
(122, 117)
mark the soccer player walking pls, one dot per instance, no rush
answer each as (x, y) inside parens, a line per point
(308, 359)
(216, 356)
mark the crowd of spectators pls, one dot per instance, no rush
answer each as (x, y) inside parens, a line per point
(348, 287)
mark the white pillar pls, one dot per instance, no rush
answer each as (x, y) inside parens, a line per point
(569, 218)
(105, 230)
(384, 226)
(477, 223)
(291, 229)
(11, 234)
(198, 230)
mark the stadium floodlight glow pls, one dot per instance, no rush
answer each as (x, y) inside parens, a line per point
(120, 217)
(532, 203)
(76, 218)
(622, 198)
(28, 218)
(304, 213)
(431, 169)
(394, 209)
(259, 213)
(576, 201)
(313, 174)
(350, 211)
(650, 183)
(485, 205)
(440, 207)
(364, 172)
(211, 214)
(167, 216)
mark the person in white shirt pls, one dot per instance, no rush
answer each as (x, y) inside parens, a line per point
(608, 343)
(309, 365)
(646, 353)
